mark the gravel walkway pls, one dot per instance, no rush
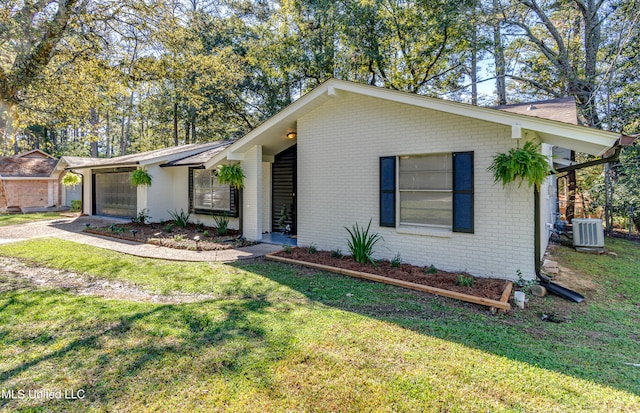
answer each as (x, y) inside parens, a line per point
(71, 229)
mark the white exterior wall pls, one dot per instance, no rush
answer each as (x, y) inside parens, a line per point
(266, 197)
(339, 145)
(548, 197)
(252, 194)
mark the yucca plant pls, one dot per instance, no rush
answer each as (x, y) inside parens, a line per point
(181, 218)
(222, 223)
(141, 177)
(361, 243)
(526, 164)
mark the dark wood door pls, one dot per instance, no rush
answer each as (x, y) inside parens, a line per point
(283, 191)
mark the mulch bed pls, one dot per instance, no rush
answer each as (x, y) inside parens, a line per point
(482, 287)
(178, 238)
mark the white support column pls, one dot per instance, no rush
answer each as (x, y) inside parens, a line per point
(252, 194)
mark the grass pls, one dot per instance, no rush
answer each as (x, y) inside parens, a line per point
(13, 219)
(284, 338)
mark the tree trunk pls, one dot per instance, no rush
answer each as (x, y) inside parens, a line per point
(175, 125)
(93, 138)
(498, 56)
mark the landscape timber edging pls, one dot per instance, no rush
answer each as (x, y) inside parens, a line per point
(502, 305)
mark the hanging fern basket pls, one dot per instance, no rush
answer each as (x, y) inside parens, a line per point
(523, 164)
(71, 179)
(232, 175)
(141, 177)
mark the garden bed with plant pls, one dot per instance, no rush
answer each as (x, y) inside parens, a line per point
(177, 233)
(490, 292)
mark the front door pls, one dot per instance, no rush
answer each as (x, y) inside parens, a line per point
(283, 191)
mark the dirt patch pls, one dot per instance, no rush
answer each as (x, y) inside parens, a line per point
(195, 237)
(481, 287)
(20, 275)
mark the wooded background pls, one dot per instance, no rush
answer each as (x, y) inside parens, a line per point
(111, 77)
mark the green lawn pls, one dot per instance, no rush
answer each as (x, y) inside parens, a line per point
(282, 338)
(13, 219)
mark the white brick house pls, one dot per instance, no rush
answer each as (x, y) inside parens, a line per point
(347, 153)
(345, 131)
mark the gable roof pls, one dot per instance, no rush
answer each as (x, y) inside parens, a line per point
(560, 109)
(142, 158)
(272, 133)
(34, 153)
(15, 167)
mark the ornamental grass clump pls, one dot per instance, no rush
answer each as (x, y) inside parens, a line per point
(526, 164)
(361, 243)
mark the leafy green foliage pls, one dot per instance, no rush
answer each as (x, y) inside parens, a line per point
(337, 253)
(180, 218)
(142, 217)
(396, 261)
(222, 223)
(76, 205)
(525, 164)
(232, 175)
(71, 179)
(465, 280)
(141, 177)
(361, 243)
(312, 249)
(431, 270)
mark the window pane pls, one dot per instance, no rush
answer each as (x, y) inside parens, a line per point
(426, 172)
(208, 193)
(220, 196)
(425, 208)
(426, 163)
(426, 180)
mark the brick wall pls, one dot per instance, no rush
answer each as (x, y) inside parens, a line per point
(339, 145)
(29, 193)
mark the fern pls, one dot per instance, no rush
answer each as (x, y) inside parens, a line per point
(232, 175)
(141, 177)
(526, 164)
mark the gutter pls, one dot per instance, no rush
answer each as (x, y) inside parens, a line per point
(624, 140)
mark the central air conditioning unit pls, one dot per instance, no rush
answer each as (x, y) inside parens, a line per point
(588, 233)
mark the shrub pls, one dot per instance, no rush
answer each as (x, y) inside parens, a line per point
(168, 228)
(142, 218)
(465, 280)
(431, 270)
(312, 249)
(362, 242)
(396, 261)
(337, 253)
(181, 218)
(76, 205)
(222, 223)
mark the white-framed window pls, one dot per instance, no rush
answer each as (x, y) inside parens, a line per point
(425, 188)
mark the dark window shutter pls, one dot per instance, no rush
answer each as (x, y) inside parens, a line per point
(388, 191)
(463, 192)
